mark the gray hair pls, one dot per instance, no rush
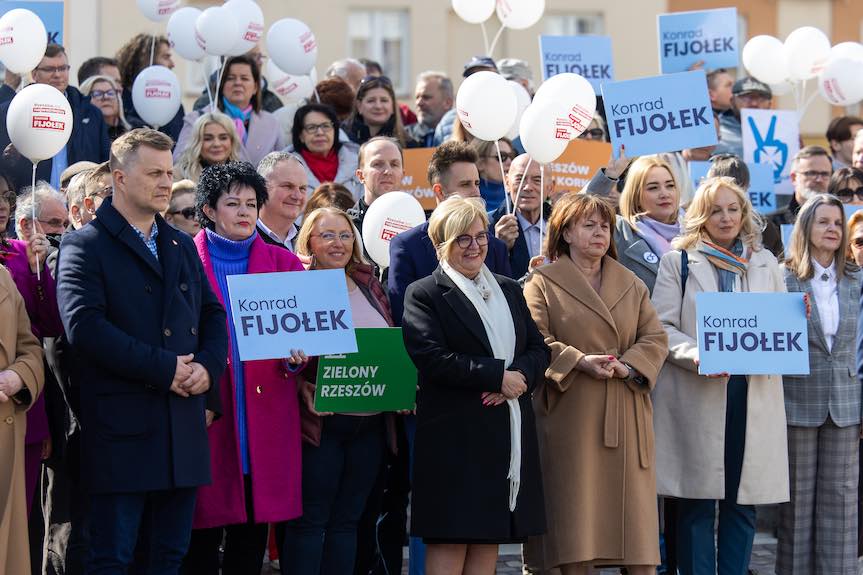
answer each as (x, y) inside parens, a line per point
(32, 199)
(76, 190)
(269, 162)
(444, 82)
(341, 68)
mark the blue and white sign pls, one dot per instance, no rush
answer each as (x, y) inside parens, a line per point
(786, 230)
(752, 333)
(276, 312)
(49, 11)
(687, 38)
(850, 210)
(588, 56)
(761, 188)
(698, 171)
(659, 114)
(771, 137)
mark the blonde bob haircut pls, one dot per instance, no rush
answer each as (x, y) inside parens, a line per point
(692, 230)
(855, 220)
(304, 238)
(631, 205)
(571, 208)
(189, 163)
(453, 218)
(799, 259)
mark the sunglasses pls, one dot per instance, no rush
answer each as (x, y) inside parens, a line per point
(188, 213)
(847, 195)
(858, 242)
(594, 133)
(504, 156)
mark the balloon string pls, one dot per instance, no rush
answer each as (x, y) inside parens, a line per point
(215, 104)
(496, 38)
(806, 105)
(521, 183)
(541, 205)
(207, 83)
(484, 36)
(33, 231)
(506, 197)
(317, 96)
(153, 49)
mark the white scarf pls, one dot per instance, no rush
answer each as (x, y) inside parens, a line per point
(491, 305)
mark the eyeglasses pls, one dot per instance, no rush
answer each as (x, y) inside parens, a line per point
(99, 94)
(813, 175)
(504, 156)
(847, 195)
(593, 133)
(330, 237)
(54, 69)
(464, 241)
(55, 223)
(858, 242)
(323, 127)
(188, 213)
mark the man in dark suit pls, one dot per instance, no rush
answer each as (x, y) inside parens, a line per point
(452, 171)
(287, 187)
(88, 141)
(150, 342)
(519, 230)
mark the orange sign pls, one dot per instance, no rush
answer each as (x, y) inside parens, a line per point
(574, 169)
(415, 180)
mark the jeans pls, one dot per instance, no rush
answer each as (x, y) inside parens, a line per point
(115, 519)
(338, 477)
(416, 547)
(697, 554)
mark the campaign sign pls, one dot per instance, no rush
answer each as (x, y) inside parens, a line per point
(49, 11)
(588, 56)
(771, 137)
(698, 171)
(850, 210)
(380, 376)
(659, 114)
(573, 170)
(761, 188)
(415, 178)
(686, 38)
(785, 230)
(274, 313)
(752, 333)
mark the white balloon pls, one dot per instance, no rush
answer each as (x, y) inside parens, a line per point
(216, 30)
(250, 23)
(781, 88)
(520, 14)
(841, 82)
(806, 50)
(181, 33)
(293, 46)
(850, 50)
(542, 136)
(156, 95)
(23, 39)
(157, 10)
(39, 122)
(387, 217)
(522, 98)
(473, 11)
(577, 93)
(288, 87)
(486, 105)
(764, 58)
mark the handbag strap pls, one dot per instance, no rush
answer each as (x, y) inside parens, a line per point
(684, 272)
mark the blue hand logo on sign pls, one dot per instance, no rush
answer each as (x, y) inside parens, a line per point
(769, 150)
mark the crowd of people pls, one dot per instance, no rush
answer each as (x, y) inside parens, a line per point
(559, 401)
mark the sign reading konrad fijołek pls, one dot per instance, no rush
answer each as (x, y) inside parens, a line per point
(708, 36)
(752, 333)
(379, 377)
(276, 312)
(586, 55)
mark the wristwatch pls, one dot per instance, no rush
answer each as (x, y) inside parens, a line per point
(634, 376)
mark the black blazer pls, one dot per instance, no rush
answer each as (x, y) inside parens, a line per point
(462, 448)
(127, 318)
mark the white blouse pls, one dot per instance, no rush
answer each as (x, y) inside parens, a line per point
(825, 288)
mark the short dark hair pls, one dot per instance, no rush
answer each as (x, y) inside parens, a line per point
(810, 152)
(839, 129)
(731, 166)
(372, 67)
(338, 94)
(300, 116)
(218, 179)
(134, 56)
(52, 50)
(93, 66)
(447, 154)
(256, 75)
(842, 177)
(363, 147)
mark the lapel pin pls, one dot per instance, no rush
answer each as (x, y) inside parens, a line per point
(650, 257)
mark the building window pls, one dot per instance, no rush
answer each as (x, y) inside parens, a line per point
(383, 36)
(574, 24)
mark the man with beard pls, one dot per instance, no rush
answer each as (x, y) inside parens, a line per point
(434, 98)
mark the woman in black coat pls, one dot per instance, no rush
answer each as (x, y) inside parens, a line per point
(476, 475)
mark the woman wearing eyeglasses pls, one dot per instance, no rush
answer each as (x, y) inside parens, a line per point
(342, 453)
(375, 112)
(105, 94)
(847, 185)
(213, 141)
(315, 138)
(491, 187)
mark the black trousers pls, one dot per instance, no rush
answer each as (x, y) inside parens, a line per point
(244, 546)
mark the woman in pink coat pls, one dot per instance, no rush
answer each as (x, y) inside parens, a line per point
(255, 444)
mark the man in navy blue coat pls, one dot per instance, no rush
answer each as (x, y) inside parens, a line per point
(88, 141)
(151, 344)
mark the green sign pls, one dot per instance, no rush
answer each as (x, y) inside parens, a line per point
(380, 376)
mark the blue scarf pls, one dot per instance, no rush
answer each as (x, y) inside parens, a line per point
(240, 117)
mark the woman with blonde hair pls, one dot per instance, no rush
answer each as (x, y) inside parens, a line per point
(719, 437)
(214, 141)
(106, 94)
(818, 527)
(855, 238)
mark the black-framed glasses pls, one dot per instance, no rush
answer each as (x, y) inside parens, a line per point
(594, 133)
(55, 223)
(847, 195)
(323, 127)
(504, 156)
(330, 237)
(814, 175)
(99, 94)
(54, 69)
(464, 241)
(188, 213)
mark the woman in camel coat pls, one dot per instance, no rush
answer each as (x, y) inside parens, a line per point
(21, 378)
(594, 413)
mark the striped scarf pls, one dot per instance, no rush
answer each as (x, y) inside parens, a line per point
(729, 264)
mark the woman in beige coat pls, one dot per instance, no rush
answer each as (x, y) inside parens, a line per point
(594, 414)
(21, 378)
(719, 437)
